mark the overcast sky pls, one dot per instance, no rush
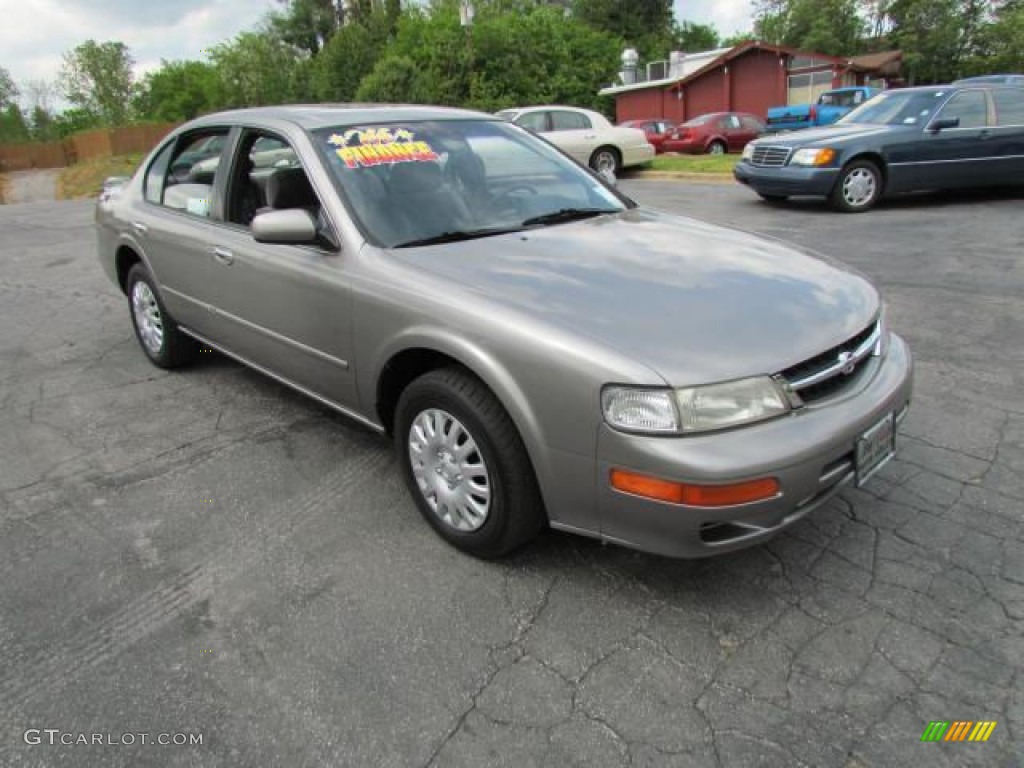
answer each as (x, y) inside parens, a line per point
(34, 33)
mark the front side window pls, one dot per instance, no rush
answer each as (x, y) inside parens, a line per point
(534, 121)
(411, 183)
(969, 107)
(186, 182)
(569, 121)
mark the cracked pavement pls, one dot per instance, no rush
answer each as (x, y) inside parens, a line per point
(207, 552)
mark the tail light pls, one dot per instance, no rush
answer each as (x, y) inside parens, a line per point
(814, 112)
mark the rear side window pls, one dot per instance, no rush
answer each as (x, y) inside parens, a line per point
(752, 124)
(1009, 106)
(569, 121)
(970, 106)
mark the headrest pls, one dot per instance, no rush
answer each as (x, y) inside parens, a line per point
(289, 188)
(414, 178)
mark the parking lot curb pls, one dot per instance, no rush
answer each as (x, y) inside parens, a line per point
(707, 178)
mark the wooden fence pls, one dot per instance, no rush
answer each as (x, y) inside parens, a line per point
(87, 145)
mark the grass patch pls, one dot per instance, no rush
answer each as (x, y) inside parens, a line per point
(83, 180)
(695, 163)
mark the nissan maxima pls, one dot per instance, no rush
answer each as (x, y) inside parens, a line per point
(541, 350)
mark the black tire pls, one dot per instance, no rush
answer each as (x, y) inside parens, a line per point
(516, 511)
(176, 349)
(602, 156)
(720, 146)
(774, 199)
(843, 199)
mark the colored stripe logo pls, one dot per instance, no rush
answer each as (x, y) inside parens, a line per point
(958, 730)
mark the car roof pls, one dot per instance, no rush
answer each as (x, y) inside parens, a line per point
(537, 108)
(313, 116)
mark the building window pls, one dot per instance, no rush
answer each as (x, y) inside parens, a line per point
(805, 89)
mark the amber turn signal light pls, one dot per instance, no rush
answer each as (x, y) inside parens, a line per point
(694, 495)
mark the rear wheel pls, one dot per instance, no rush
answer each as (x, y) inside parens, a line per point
(465, 464)
(158, 334)
(606, 159)
(717, 148)
(858, 187)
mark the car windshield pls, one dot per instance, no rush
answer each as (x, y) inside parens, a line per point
(898, 108)
(413, 183)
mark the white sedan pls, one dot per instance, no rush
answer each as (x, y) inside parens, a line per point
(585, 135)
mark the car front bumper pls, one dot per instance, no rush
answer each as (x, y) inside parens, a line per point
(787, 180)
(810, 452)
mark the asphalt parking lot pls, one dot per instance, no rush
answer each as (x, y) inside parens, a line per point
(205, 552)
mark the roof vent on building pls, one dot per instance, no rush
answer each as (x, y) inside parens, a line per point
(675, 64)
(630, 59)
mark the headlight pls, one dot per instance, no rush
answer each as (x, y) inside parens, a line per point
(813, 157)
(718, 406)
(693, 409)
(748, 151)
(640, 410)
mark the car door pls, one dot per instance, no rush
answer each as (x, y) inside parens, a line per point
(956, 156)
(1008, 135)
(175, 228)
(572, 133)
(286, 308)
(735, 135)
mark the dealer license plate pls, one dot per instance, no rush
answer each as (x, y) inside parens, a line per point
(875, 447)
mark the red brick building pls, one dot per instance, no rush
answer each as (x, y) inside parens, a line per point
(751, 77)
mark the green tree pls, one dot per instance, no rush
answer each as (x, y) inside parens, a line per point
(13, 127)
(308, 24)
(42, 125)
(97, 78)
(692, 38)
(348, 57)
(179, 90)
(1003, 41)
(259, 68)
(74, 120)
(395, 79)
(645, 24)
(8, 90)
(834, 27)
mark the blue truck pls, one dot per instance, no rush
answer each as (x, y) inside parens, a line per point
(831, 105)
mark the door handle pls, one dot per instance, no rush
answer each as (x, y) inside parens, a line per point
(223, 256)
(590, 136)
(986, 134)
(139, 227)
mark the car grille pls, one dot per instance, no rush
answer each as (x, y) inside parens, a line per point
(827, 374)
(769, 157)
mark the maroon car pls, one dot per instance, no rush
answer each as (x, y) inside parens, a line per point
(715, 133)
(656, 129)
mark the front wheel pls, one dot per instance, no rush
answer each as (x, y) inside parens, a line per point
(858, 187)
(465, 464)
(716, 148)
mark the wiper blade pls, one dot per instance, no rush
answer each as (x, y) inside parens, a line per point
(567, 214)
(457, 236)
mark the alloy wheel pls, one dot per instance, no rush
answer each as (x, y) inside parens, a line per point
(147, 317)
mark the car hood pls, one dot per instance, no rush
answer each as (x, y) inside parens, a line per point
(693, 301)
(829, 134)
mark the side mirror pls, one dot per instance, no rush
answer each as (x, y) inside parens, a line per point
(943, 123)
(291, 226)
(609, 176)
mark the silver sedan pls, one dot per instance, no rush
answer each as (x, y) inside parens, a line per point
(542, 351)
